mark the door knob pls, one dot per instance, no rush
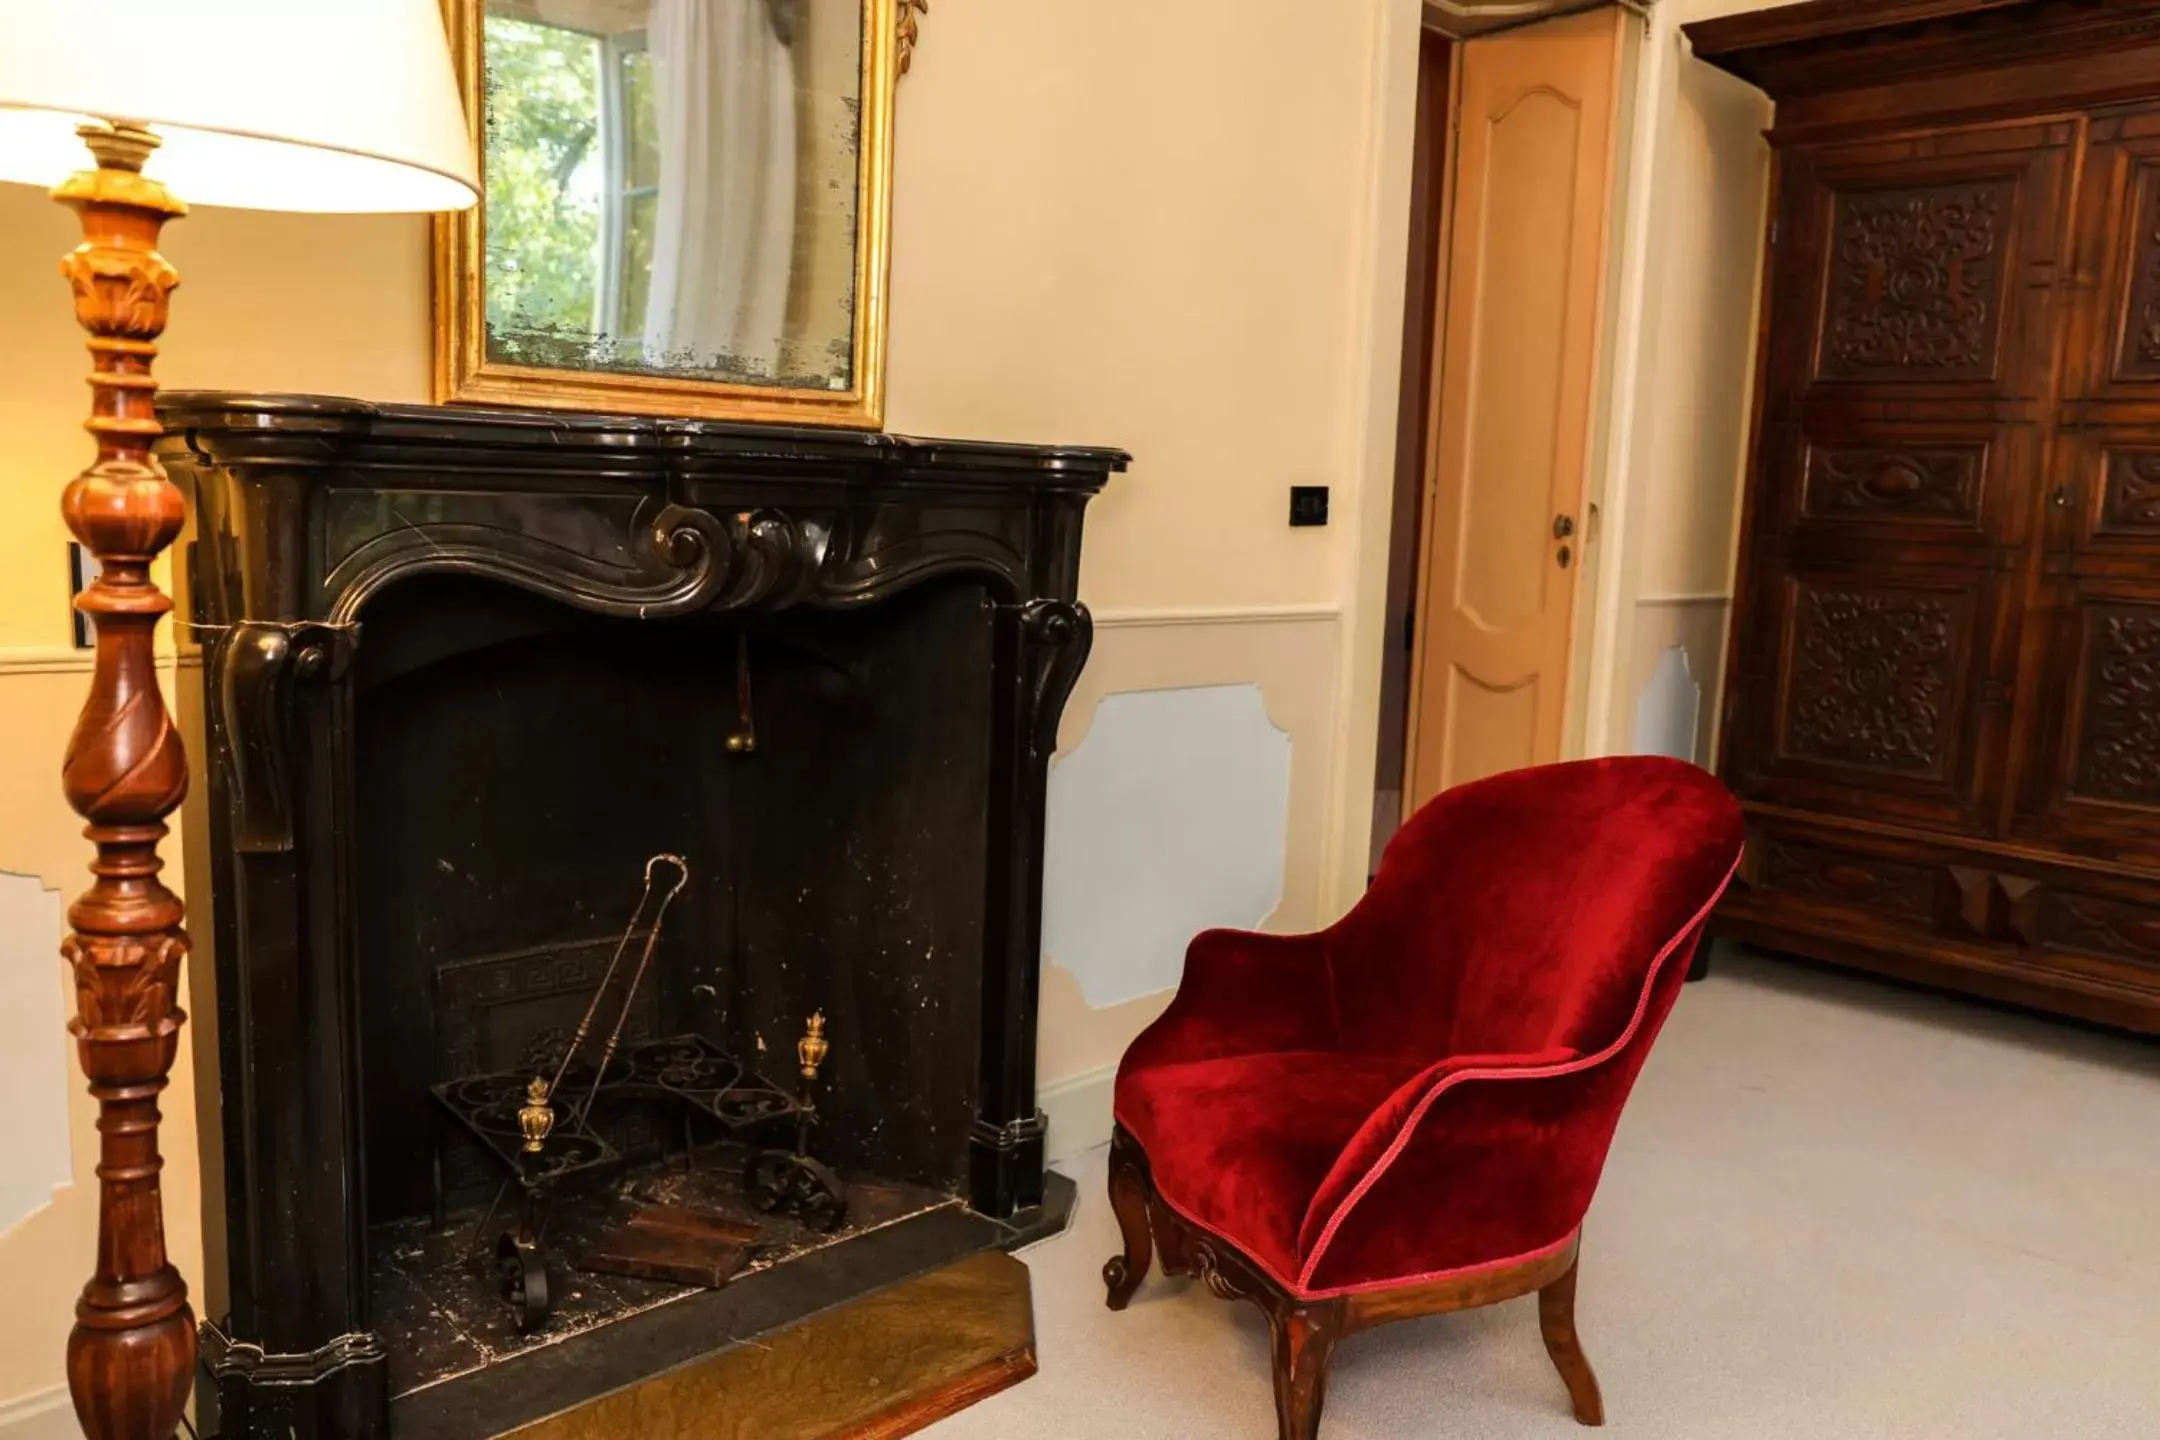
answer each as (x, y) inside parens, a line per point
(1563, 526)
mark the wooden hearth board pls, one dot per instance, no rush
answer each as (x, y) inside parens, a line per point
(886, 1365)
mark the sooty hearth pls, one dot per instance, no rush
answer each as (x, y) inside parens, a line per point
(587, 842)
(489, 1103)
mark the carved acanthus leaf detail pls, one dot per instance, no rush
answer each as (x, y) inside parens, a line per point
(1872, 678)
(2133, 491)
(1915, 282)
(1208, 1266)
(120, 293)
(910, 31)
(125, 985)
(2120, 756)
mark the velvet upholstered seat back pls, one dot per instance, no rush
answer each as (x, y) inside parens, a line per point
(1432, 1084)
(1522, 913)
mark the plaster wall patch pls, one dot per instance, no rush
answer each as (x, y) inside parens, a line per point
(1170, 818)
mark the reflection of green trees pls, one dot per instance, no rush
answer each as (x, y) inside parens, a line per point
(543, 195)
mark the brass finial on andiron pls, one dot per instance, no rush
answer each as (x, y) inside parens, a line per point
(810, 1053)
(811, 1050)
(536, 1117)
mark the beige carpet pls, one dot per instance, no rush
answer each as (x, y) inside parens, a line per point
(1834, 1209)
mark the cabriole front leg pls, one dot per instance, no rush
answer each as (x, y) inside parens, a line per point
(1303, 1345)
(1123, 1273)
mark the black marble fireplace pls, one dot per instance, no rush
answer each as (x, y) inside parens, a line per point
(461, 673)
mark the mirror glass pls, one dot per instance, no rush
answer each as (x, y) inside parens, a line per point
(672, 187)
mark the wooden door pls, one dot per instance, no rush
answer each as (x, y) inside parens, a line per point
(1519, 326)
(2092, 676)
(1908, 408)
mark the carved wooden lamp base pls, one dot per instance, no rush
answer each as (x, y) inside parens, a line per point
(1304, 1332)
(323, 108)
(132, 1354)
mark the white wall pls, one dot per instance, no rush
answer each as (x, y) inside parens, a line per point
(1683, 377)
(35, 1069)
(1179, 229)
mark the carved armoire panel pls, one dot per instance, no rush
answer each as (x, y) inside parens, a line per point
(2130, 495)
(2138, 357)
(1873, 677)
(1916, 281)
(1834, 877)
(2102, 925)
(1861, 483)
(2118, 748)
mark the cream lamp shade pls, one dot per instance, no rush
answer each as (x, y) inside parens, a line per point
(310, 105)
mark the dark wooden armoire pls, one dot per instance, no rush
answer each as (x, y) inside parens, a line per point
(1943, 704)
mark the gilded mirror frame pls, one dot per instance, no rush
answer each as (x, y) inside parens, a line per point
(464, 375)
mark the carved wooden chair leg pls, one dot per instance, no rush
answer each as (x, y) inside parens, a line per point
(1129, 1198)
(1556, 1317)
(1304, 1342)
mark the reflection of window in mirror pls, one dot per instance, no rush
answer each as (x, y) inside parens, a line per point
(631, 192)
(671, 186)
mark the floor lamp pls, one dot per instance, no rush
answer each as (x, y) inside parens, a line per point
(307, 105)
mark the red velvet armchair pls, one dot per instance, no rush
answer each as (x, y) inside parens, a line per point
(1409, 1112)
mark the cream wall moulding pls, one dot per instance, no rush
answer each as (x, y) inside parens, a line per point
(1467, 19)
(685, 207)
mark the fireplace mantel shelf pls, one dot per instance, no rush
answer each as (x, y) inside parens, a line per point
(634, 517)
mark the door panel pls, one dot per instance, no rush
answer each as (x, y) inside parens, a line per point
(1493, 729)
(1908, 402)
(2095, 782)
(2136, 347)
(1877, 676)
(1917, 279)
(1880, 705)
(1525, 266)
(1854, 480)
(2114, 350)
(2093, 674)
(2127, 511)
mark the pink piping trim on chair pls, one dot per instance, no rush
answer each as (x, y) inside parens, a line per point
(1448, 1082)
(1367, 1287)
(1299, 1292)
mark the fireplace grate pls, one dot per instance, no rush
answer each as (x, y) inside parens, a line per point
(688, 1072)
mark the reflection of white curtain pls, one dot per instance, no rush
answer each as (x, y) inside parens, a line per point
(724, 237)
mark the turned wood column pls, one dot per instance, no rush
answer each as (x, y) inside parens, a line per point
(132, 1353)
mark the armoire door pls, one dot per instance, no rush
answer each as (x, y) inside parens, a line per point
(1909, 395)
(2092, 782)
(1525, 262)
